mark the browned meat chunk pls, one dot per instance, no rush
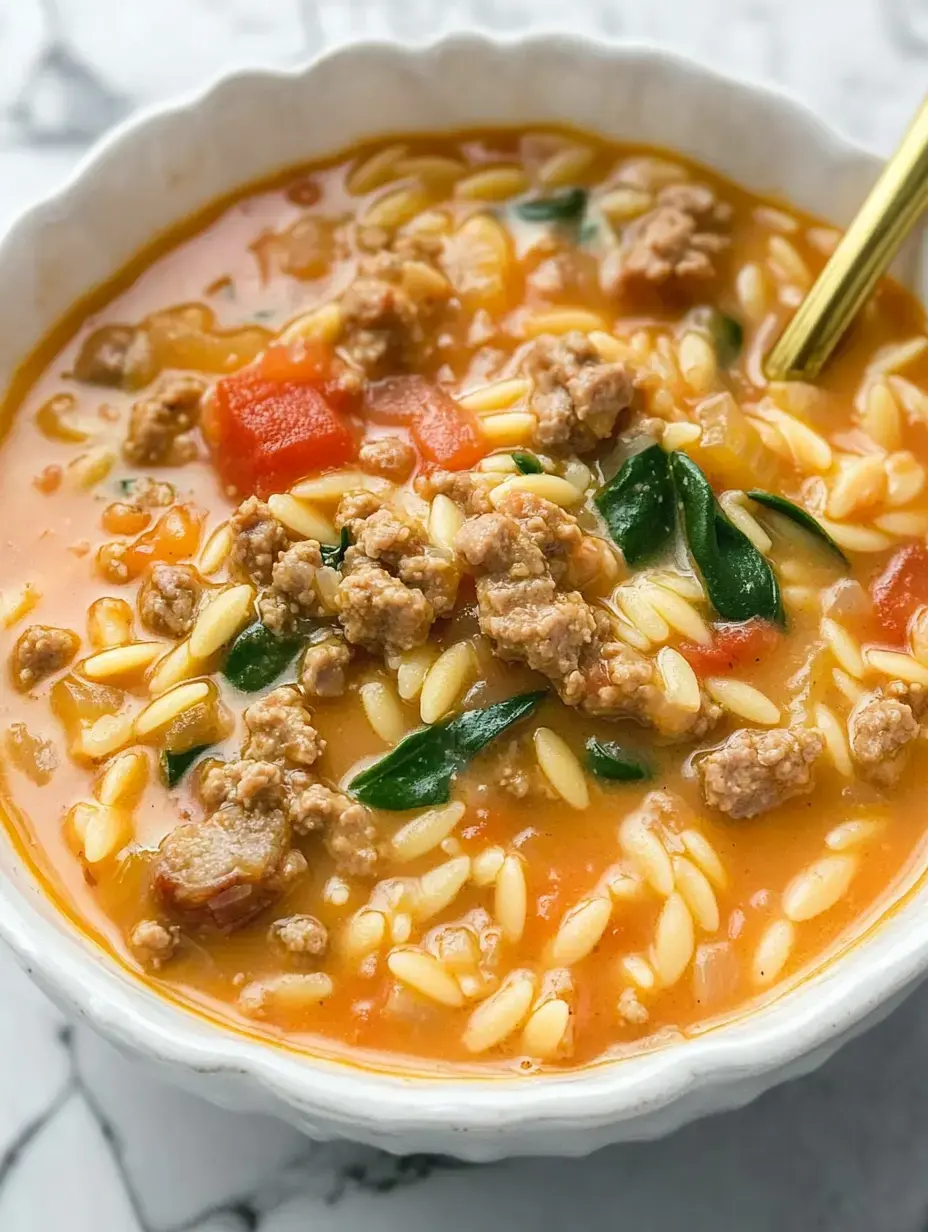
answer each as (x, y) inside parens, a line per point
(118, 356)
(154, 943)
(39, 652)
(394, 584)
(755, 771)
(226, 868)
(881, 731)
(469, 489)
(388, 313)
(248, 783)
(322, 673)
(257, 541)
(280, 729)
(302, 935)
(292, 595)
(677, 241)
(387, 456)
(159, 423)
(578, 399)
(168, 600)
(520, 555)
(348, 827)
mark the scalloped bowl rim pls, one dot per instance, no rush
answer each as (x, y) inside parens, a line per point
(475, 1117)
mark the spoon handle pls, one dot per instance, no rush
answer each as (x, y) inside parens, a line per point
(894, 205)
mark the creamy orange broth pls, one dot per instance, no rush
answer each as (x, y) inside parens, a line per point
(233, 262)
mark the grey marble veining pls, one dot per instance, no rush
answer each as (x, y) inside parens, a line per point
(89, 1143)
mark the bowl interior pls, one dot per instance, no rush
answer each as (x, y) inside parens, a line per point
(158, 169)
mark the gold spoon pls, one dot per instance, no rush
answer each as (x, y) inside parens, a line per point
(896, 202)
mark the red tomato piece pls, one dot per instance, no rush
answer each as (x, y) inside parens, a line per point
(732, 647)
(396, 400)
(270, 433)
(446, 434)
(900, 590)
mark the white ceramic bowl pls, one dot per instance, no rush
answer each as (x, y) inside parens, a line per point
(167, 163)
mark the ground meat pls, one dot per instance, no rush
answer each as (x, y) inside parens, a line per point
(118, 356)
(523, 556)
(257, 541)
(393, 584)
(248, 783)
(292, 595)
(153, 943)
(300, 935)
(39, 652)
(755, 771)
(677, 241)
(469, 489)
(578, 399)
(280, 729)
(516, 771)
(387, 456)
(348, 827)
(322, 673)
(226, 868)
(159, 422)
(388, 315)
(168, 600)
(881, 731)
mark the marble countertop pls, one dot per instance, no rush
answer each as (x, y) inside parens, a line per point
(88, 1143)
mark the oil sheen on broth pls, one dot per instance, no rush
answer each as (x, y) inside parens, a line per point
(467, 426)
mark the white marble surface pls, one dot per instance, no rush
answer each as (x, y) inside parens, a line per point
(90, 1144)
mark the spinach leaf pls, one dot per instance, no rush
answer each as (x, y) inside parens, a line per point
(175, 765)
(420, 769)
(563, 207)
(527, 463)
(638, 505)
(257, 657)
(334, 553)
(739, 581)
(797, 514)
(724, 332)
(609, 760)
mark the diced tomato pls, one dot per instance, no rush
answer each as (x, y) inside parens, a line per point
(732, 647)
(900, 590)
(445, 433)
(271, 431)
(396, 400)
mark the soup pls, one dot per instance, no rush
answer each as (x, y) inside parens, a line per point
(429, 637)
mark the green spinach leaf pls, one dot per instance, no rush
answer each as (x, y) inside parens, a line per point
(257, 657)
(419, 770)
(795, 513)
(563, 207)
(637, 505)
(175, 765)
(334, 553)
(724, 332)
(527, 463)
(739, 581)
(609, 760)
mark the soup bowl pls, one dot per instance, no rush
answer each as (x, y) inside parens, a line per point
(166, 164)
